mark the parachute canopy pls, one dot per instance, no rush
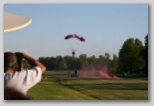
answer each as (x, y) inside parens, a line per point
(75, 36)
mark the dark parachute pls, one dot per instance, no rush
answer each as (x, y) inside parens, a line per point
(75, 36)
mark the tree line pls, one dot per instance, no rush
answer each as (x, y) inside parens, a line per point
(132, 59)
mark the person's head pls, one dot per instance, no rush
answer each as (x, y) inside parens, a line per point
(10, 61)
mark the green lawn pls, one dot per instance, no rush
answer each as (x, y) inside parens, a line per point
(56, 86)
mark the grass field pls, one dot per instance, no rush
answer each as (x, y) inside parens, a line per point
(58, 86)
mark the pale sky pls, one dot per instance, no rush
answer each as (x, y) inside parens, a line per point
(104, 26)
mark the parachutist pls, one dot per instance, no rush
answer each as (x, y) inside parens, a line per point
(73, 53)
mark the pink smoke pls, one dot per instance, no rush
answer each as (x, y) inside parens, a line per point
(102, 72)
(115, 77)
(105, 75)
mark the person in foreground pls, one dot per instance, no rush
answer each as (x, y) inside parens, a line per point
(18, 79)
(12, 94)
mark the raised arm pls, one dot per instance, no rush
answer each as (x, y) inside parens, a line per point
(33, 62)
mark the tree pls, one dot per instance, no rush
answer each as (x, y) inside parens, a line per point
(130, 59)
(60, 63)
(107, 60)
(92, 60)
(83, 60)
(107, 56)
(144, 54)
(114, 64)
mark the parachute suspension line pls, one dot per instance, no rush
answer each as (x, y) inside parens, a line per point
(70, 36)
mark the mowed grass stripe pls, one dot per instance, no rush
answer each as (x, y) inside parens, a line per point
(101, 89)
(53, 91)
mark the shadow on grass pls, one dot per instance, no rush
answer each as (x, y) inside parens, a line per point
(109, 86)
